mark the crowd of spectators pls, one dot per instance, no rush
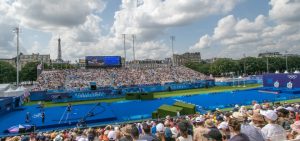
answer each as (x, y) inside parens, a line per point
(261, 122)
(106, 77)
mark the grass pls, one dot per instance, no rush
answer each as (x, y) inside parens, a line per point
(157, 95)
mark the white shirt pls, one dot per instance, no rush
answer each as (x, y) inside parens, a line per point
(189, 138)
(274, 132)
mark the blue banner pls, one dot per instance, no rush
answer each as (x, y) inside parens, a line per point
(75, 95)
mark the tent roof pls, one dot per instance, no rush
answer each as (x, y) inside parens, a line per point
(19, 89)
(9, 90)
(3, 86)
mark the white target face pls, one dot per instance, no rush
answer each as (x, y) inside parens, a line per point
(289, 85)
(276, 84)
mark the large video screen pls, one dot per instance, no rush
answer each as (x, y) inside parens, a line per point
(103, 61)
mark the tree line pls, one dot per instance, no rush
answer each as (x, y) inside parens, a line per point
(220, 67)
(8, 73)
(246, 66)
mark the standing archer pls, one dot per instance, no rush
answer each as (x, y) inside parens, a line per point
(69, 107)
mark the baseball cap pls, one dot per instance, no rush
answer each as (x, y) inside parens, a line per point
(291, 109)
(199, 119)
(160, 128)
(269, 114)
(112, 135)
(223, 125)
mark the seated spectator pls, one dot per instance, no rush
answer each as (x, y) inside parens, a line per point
(200, 130)
(126, 132)
(272, 131)
(146, 135)
(235, 129)
(183, 130)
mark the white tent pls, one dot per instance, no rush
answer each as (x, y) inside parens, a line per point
(3, 87)
(14, 93)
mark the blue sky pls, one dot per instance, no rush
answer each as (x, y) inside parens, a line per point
(218, 28)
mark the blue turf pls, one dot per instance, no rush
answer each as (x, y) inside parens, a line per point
(134, 110)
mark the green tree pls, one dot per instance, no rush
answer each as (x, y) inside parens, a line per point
(29, 72)
(200, 67)
(252, 65)
(293, 63)
(224, 66)
(7, 72)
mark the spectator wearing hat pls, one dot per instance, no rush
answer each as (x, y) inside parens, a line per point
(183, 130)
(160, 131)
(146, 135)
(213, 132)
(235, 129)
(236, 108)
(272, 131)
(257, 120)
(126, 132)
(251, 131)
(112, 136)
(296, 130)
(200, 130)
(224, 129)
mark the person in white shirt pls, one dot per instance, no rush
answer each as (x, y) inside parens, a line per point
(272, 131)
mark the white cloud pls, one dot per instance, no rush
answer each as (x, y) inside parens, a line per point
(285, 11)
(53, 14)
(233, 37)
(204, 42)
(152, 17)
(78, 24)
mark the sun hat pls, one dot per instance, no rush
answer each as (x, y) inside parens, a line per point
(269, 114)
(209, 123)
(239, 116)
(257, 117)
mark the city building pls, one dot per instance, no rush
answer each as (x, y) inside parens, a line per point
(270, 54)
(147, 63)
(24, 59)
(186, 57)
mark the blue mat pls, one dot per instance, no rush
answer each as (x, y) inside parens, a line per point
(123, 111)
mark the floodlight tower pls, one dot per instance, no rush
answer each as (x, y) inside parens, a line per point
(124, 37)
(17, 31)
(172, 41)
(133, 37)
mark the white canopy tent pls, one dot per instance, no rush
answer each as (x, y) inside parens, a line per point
(14, 93)
(3, 88)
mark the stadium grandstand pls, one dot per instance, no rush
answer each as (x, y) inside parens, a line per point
(106, 77)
